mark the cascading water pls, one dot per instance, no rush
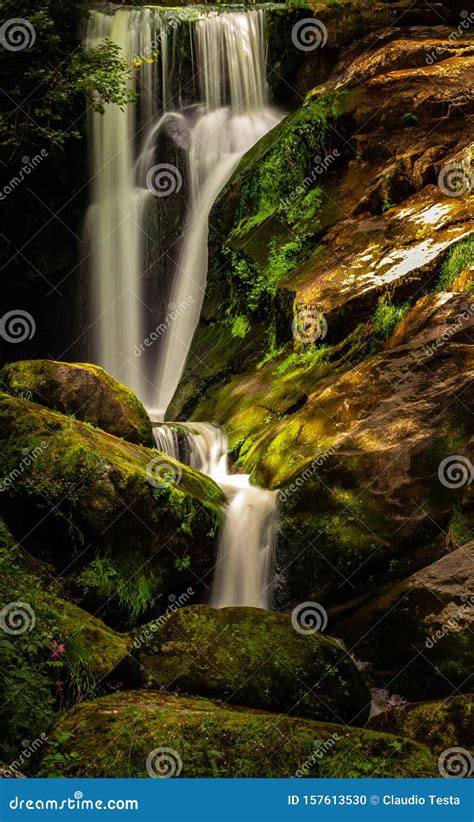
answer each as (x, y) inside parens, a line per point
(230, 114)
(246, 539)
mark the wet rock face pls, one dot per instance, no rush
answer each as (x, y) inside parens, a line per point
(205, 739)
(91, 505)
(352, 424)
(434, 610)
(84, 391)
(256, 658)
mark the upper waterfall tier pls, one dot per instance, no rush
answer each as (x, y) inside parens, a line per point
(202, 103)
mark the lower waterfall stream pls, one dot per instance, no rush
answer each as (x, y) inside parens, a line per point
(216, 124)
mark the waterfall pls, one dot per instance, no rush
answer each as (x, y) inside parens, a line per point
(246, 540)
(214, 122)
(230, 50)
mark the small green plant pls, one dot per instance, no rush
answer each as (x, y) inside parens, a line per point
(409, 118)
(182, 563)
(386, 317)
(240, 326)
(56, 762)
(460, 258)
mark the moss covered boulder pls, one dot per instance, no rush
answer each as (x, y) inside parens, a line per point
(52, 653)
(440, 724)
(120, 524)
(253, 657)
(82, 390)
(117, 735)
(417, 635)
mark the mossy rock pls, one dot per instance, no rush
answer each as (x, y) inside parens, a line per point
(82, 390)
(440, 724)
(253, 657)
(114, 736)
(52, 652)
(121, 524)
(417, 635)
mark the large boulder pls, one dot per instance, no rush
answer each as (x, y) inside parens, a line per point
(52, 653)
(82, 390)
(253, 657)
(119, 523)
(417, 636)
(140, 734)
(441, 724)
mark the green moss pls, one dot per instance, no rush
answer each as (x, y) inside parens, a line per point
(386, 317)
(80, 390)
(223, 654)
(114, 736)
(460, 258)
(441, 724)
(64, 656)
(84, 496)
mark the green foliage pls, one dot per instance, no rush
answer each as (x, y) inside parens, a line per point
(106, 580)
(56, 760)
(311, 356)
(386, 317)
(48, 83)
(460, 258)
(240, 326)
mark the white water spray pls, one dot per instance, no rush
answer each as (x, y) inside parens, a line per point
(229, 117)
